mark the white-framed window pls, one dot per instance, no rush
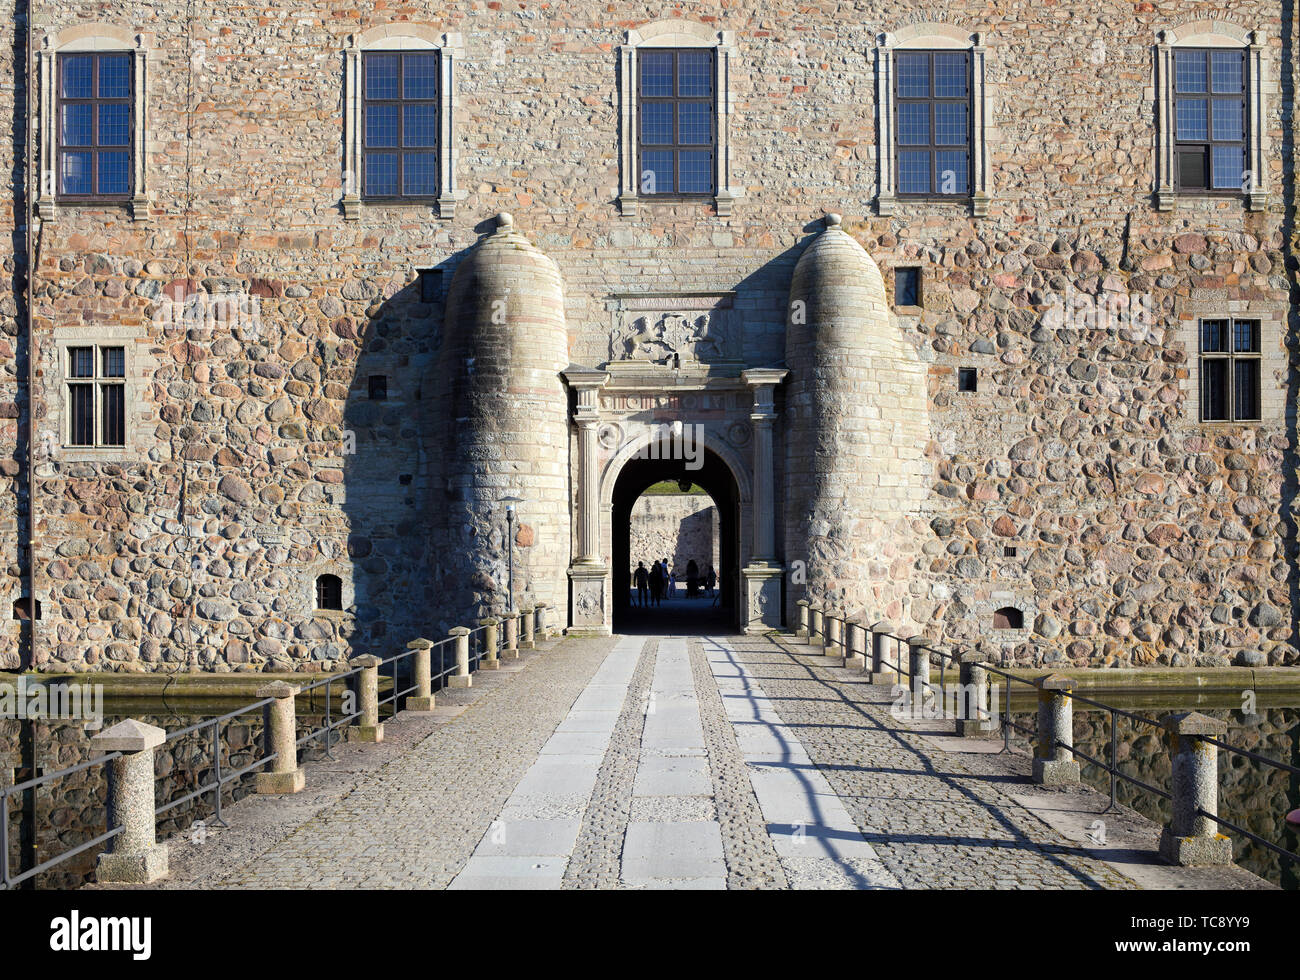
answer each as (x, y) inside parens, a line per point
(1213, 87)
(95, 395)
(675, 105)
(933, 117)
(399, 114)
(97, 379)
(1231, 369)
(93, 120)
(1236, 360)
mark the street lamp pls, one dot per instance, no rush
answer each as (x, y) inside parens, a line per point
(510, 549)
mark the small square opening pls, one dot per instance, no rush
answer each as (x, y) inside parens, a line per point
(378, 387)
(966, 379)
(907, 286)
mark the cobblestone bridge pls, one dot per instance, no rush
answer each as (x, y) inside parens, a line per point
(662, 761)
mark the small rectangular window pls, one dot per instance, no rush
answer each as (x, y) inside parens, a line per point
(378, 387)
(966, 379)
(907, 286)
(1230, 370)
(430, 285)
(96, 396)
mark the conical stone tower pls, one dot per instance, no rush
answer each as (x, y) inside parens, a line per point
(857, 430)
(501, 431)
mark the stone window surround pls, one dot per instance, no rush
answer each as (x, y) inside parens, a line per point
(1273, 359)
(55, 430)
(932, 36)
(401, 37)
(1005, 638)
(1260, 86)
(327, 567)
(675, 34)
(97, 38)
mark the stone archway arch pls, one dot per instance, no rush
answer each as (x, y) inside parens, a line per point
(633, 448)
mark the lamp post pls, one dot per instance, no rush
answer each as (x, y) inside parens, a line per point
(510, 549)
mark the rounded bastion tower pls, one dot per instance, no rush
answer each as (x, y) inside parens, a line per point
(857, 430)
(502, 431)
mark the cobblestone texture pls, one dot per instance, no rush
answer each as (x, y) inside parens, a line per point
(934, 820)
(751, 858)
(595, 860)
(416, 821)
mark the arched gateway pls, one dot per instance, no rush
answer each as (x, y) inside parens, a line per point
(817, 465)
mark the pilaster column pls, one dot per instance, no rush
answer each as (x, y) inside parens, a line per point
(762, 575)
(587, 573)
(763, 382)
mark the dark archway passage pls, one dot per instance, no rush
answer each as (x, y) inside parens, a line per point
(698, 616)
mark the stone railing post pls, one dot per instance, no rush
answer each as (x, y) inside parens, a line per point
(279, 722)
(883, 671)
(973, 715)
(422, 675)
(528, 621)
(1190, 838)
(815, 625)
(543, 630)
(461, 678)
(1054, 765)
(856, 643)
(510, 646)
(918, 664)
(134, 856)
(489, 660)
(367, 727)
(802, 631)
(833, 623)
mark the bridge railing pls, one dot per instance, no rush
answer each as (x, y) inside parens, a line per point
(414, 681)
(1190, 837)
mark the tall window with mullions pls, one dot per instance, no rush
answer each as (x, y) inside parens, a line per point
(399, 108)
(1210, 119)
(932, 98)
(1230, 370)
(677, 134)
(94, 126)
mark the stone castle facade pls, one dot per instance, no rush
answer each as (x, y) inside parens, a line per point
(983, 411)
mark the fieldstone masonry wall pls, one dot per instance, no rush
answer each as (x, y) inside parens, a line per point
(258, 460)
(680, 527)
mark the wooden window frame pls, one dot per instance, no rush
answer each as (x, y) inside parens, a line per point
(94, 148)
(97, 381)
(1232, 357)
(676, 147)
(1207, 145)
(397, 150)
(932, 148)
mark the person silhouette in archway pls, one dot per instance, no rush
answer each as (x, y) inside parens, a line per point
(642, 580)
(657, 581)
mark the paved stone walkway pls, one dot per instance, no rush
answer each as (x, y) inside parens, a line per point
(664, 762)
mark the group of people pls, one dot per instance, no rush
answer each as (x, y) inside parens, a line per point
(659, 582)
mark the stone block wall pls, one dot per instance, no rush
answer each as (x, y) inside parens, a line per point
(1141, 535)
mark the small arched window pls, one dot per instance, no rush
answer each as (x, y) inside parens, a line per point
(329, 592)
(1008, 618)
(23, 609)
